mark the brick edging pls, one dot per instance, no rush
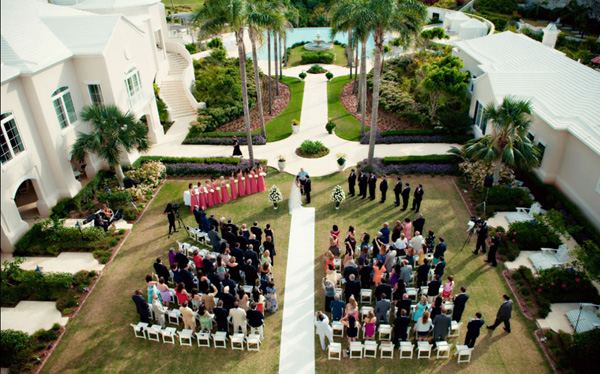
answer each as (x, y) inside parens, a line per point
(538, 333)
(523, 311)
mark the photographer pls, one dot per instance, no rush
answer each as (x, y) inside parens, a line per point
(170, 212)
(482, 234)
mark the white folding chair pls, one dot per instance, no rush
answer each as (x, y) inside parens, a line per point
(237, 341)
(370, 349)
(153, 333)
(334, 351)
(443, 350)
(338, 291)
(424, 349)
(220, 339)
(140, 329)
(253, 342)
(203, 339)
(185, 337)
(337, 264)
(463, 352)
(412, 293)
(191, 233)
(424, 290)
(366, 295)
(168, 335)
(406, 350)
(338, 329)
(364, 311)
(385, 332)
(356, 350)
(454, 329)
(449, 306)
(386, 350)
(173, 316)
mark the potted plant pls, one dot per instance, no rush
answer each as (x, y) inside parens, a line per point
(329, 75)
(337, 196)
(302, 76)
(281, 162)
(295, 126)
(330, 126)
(275, 196)
(341, 160)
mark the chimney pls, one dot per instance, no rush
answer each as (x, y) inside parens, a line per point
(550, 35)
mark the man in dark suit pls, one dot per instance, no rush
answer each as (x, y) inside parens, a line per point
(349, 269)
(418, 224)
(307, 188)
(383, 189)
(251, 255)
(230, 283)
(181, 259)
(234, 228)
(434, 289)
(256, 231)
(230, 237)
(253, 241)
(473, 328)
(363, 181)
(188, 279)
(460, 301)
(441, 327)
(440, 267)
(251, 273)
(214, 279)
(365, 274)
(404, 304)
(141, 306)
(372, 186)
(504, 314)
(382, 289)
(417, 197)
(221, 315)
(215, 239)
(382, 308)
(351, 183)
(238, 253)
(255, 320)
(161, 270)
(352, 288)
(242, 241)
(405, 196)
(227, 298)
(212, 221)
(422, 273)
(398, 191)
(401, 326)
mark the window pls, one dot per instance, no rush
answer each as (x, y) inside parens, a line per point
(542, 147)
(479, 121)
(530, 135)
(95, 94)
(11, 143)
(134, 86)
(63, 106)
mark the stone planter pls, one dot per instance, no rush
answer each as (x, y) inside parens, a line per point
(281, 165)
(295, 129)
(341, 164)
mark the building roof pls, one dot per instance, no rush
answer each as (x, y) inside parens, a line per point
(563, 92)
(456, 15)
(473, 24)
(112, 4)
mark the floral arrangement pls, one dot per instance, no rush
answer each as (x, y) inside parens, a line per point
(275, 195)
(475, 172)
(280, 158)
(341, 158)
(397, 139)
(227, 185)
(338, 195)
(150, 172)
(263, 174)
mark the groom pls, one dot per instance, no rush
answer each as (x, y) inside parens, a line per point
(307, 188)
(302, 175)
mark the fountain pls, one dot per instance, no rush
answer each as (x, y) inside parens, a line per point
(318, 44)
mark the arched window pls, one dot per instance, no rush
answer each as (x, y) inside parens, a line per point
(11, 140)
(134, 86)
(63, 106)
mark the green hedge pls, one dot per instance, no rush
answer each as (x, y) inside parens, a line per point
(217, 134)
(317, 57)
(503, 199)
(429, 159)
(84, 198)
(17, 348)
(178, 160)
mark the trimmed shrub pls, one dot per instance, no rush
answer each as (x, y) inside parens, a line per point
(15, 348)
(316, 69)
(532, 236)
(412, 165)
(320, 57)
(414, 136)
(430, 159)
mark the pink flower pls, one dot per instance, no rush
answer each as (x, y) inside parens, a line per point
(513, 240)
(539, 290)
(541, 284)
(505, 234)
(577, 279)
(515, 233)
(552, 283)
(547, 233)
(564, 285)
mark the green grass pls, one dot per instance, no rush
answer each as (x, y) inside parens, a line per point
(347, 127)
(295, 58)
(280, 127)
(192, 3)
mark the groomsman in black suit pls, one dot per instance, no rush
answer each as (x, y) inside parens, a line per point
(307, 188)
(363, 181)
(417, 197)
(398, 191)
(383, 189)
(351, 183)
(372, 186)
(257, 231)
(405, 196)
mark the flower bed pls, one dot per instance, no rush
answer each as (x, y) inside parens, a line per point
(310, 149)
(193, 166)
(22, 353)
(414, 136)
(225, 139)
(423, 165)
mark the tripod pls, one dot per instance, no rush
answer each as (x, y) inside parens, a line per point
(484, 202)
(468, 237)
(178, 218)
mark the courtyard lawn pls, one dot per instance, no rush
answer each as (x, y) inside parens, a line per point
(447, 216)
(295, 58)
(347, 127)
(280, 127)
(191, 3)
(100, 339)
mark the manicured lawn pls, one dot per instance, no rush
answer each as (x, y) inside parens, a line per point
(192, 3)
(295, 58)
(280, 127)
(100, 339)
(447, 216)
(347, 127)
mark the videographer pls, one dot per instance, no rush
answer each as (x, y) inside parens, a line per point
(482, 234)
(170, 212)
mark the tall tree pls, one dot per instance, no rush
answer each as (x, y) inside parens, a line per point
(444, 79)
(213, 17)
(508, 143)
(112, 133)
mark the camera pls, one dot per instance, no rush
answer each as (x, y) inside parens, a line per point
(176, 207)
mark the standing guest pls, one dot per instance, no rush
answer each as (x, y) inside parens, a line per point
(337, 308)
(150, 284)
(329, 293)
(370, 323)
(206, 320)
(141, 306)
(420, 309)
(436, 308)
(201, 196)
(188, 278)
(419, 223)
(193, 196)
(160, 269)
(352, 307)
(407, 229)
(238, 318)
(395, 275)
(440, 249)
(233, 186)
(396, 231)
(404, 304)
(352, 288)
(491, 259)
(401, 324)
(385, 231)
(406, 272)
(164, 291)
(482, 235)
(208, 298)
(365, 274)
(365, 238)
(447, 288)
(201, 220)
(172, 255)
(248, 182)
(401, 244)
(434, 289)
(350, 268)
(169, 211)
(423, 273)
(430, 241)
(382, 308)
(440, 267)
(378, 271)
(417, 240)
(203, 281)
(350, 244)
(363, 181)
(441, 327)
(224, 193)
(423, 326)
(221, 315)
(251, 271)
(504, 314)
(351, 183)
(251, 255)
(270, 247)
(383, 187)
(333, 247)
(352, 327)
(181, 294)
(269, 232)
(460, 301)
(398, 191)
(227, 297)
(417, 197)
(181, 259)
(212, 221)
(261, 178)
(159, 311)
(364, 255)
(256, 320)
(244, 231)
(272, 298)
(257, 231)
(405, 196)
(215, 239)
(307, 188)
(188, 316)
(473, 328)
(323, 329)
(237, 152)
(241, 186)
(335, 232)
(372, 186)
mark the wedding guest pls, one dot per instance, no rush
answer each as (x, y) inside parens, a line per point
(221, 315)
(255, 321)
(337, 308)
(270, 248)
(385, 233)
(365, 240)
(420, 309)
(352, 327)
(150, 284)
(329, 293)
(142, 306)
(205, 319)
(163, 289)
(242, 299)
(430, 241)
(188, 316)
(424, 324)
(224, 193)
(335, 233)
(193, 196)
(269, 232)
(407, 229)
(323, 329)
(236, 147)
(257, 231)
(378, 271)
(447, 288)
(159, 311)
(370, 322)
(160, 269)
(181, 293)
(272, 298)
(396, 231)
(241, 186)
(352, 307)
(261, 178)
(333, 247)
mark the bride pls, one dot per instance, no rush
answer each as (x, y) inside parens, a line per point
(295, 201)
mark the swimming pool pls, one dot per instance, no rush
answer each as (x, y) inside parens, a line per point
(308, 34)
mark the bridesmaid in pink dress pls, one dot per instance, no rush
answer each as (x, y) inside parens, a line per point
(216, 193)
(193, 196)
(248, 184)
(232, 185)
(201, 196)
(209, 195)
(224, 192)
(241, 184)
(254, 184)
(261, 179)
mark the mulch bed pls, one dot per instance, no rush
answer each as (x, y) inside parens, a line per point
(323, 153)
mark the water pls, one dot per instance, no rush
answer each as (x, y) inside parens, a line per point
(308, 34)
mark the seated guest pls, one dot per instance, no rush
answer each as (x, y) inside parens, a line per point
(101, 222)
(337, 308)
(255, 320)
(160, 269)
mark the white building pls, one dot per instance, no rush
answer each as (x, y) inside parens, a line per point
(57, 59)
(565, 96)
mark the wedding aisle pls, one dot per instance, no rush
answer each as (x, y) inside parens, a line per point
(297, 352)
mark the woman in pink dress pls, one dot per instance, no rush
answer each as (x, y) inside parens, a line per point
(407, 229)
(254, 179)
(241, 185)
(193, 196)
(209, 195)
(261, 179)
(217, 193)
(201, 196)
(232, 185)
(248, 183)
(224, 192)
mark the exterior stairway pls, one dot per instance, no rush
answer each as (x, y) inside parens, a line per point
(172, 90)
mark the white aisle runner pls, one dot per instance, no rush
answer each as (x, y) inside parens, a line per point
(297, 352)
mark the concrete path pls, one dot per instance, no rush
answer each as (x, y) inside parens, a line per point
(557, 318)
(297, 351)
(30, 316)
(66, 262)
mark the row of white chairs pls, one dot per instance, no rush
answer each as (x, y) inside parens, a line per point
(186, 337)
(369, 349)
(366, 295)
(384, 331)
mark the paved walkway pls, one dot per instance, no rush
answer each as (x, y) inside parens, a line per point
(297, 352)
(66, 262)
(30, 316)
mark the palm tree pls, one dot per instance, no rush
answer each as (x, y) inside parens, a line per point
(291, 16)
(112, 133)
(213, 18)
(508, 143)
(402, 16)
